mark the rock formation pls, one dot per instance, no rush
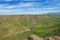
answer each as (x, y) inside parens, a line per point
(35, 37)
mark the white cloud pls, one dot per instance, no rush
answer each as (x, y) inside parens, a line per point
(45, 8)
(16, 6)
(8, 0)
(9, 7)
(4, 10)
(1, 6)
(26, 4)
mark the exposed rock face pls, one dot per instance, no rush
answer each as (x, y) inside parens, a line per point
(54, 38)
(35, 37)
(50, 38)
(57, 37)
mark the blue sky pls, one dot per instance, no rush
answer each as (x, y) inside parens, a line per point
(12, 7)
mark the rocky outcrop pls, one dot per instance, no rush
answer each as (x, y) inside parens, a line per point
(35, 37)
(53, 38)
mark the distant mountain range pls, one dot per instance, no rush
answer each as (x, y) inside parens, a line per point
(56, 13)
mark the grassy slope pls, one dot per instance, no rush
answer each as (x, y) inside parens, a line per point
(41, 25)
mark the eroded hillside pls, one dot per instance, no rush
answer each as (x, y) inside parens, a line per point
(18, 27)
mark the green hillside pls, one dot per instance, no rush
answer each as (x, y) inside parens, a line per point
(19, 27)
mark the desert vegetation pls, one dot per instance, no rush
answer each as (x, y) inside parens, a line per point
(20, 27)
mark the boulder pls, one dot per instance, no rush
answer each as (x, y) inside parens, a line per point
(35, 37)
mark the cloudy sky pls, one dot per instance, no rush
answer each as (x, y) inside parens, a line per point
(10, 7)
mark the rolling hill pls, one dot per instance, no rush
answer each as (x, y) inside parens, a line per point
(19, 27)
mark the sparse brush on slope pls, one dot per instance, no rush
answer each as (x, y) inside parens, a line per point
(19, 27)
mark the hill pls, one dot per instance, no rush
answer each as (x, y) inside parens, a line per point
(19, 27)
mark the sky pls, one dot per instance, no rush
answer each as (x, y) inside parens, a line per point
(16, 7)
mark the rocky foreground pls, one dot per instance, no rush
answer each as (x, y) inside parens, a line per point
(35, 37)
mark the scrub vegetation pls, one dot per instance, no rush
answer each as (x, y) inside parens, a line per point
(19, 27)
